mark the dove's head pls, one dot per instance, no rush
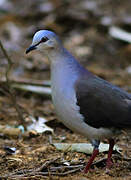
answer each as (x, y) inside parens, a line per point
(45, 41)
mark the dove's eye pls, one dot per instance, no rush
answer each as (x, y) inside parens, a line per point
(44, 39)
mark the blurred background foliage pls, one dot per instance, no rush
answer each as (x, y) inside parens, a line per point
(82, 25)
(85, 29)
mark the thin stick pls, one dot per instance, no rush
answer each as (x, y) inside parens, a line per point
(8, 82)
(10, 63)
(44, 170)
(36, 173)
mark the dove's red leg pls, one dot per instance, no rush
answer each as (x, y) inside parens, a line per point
(95, 144)
(94, 154)
(109, 162)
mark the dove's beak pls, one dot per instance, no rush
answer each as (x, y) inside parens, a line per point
(31, 48)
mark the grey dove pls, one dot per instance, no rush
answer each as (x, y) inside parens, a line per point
(85, 103)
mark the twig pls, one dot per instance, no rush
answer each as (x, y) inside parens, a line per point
(8, 84)
(100, 161)
(120, 34)
(45, 171)
(45, 83)
(46, 91)
(46, 164)
(42, 173)
(66, 167)
(39, 169)
(10, 63)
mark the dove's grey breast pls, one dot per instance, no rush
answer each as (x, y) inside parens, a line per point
(64, 74)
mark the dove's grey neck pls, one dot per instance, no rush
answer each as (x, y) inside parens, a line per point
(65, 69)
(61, 58)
